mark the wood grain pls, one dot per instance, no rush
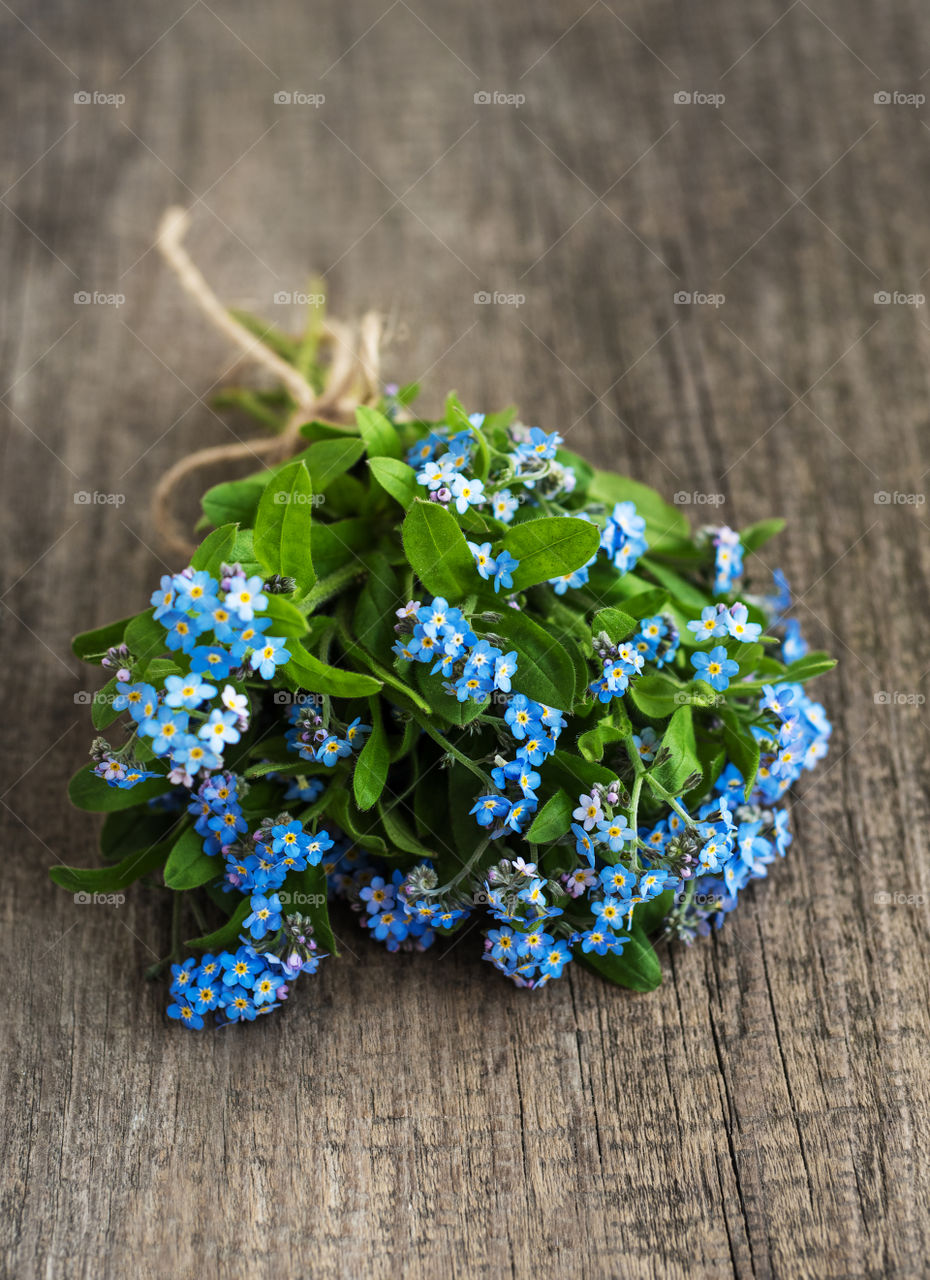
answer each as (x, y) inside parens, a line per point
(765, 1112)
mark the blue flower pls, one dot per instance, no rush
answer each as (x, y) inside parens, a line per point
(712, 622)
(584, 845)
(488, 808)
(617, 880)
(164, 598)
(139, 699)
(600, 941)
(504, 505)
(505, 667)
(187, 691)
(240, 968)
(265, 916)
(794, 645)
(467, 493)
(539, 445)
(289, 837)
(535, 748)
(503, 943)
(271, 654)
(738, 625)
(219, 729)
(484, 561)
(182, 1011)
(245, 596)
(554, 959)
(522, 715)
(164, 728)
(577, 578)
(332, 749)
(211, 660)
(615, 832)
(506, 565)
(714, 667)
(610, 912)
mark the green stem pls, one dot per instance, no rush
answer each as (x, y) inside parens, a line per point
(450, 749)
(460, 875)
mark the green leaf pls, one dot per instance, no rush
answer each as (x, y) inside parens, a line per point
(664, 523)
(445, 707)
(144, 636)
(91, 646)
(812, 664)
(672, 772)
(553, 819)
(113, 878)
(656, 696)
(637, 967)
(282, 526)
(305, 892)
(437, 551)
(371, 768)
(188, 866)
(682, 590)
(550, 547)
(215, 550)
(134, 831)
(615, 622)
(234, 501)
(227, 936)
(379, 433)
(304, 671)
(338, 544)
(87, 791)
(399, 833)
(593, 743)
(545, 671)
(373, 621)
(328, 459)
(741, 747)
(286, 618)
(396, 478)
(756, 535)
(649, 915)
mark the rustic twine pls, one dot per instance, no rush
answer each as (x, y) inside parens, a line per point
(352, 379)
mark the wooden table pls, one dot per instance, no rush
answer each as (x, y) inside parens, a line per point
(765, 1112)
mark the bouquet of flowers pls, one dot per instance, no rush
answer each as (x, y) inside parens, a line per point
(452, 675)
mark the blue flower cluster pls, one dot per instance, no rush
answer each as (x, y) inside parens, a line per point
(444, 466)
(535, 730)
(240, 985)
(185, 718)
(312, 737)
(442, 635)
(728, 557)
(656, 641)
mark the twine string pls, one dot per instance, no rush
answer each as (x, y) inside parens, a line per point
(352, 379)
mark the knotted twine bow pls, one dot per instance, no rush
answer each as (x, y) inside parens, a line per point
(352, 379)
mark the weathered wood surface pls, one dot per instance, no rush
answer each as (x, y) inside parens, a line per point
(764, 1113)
